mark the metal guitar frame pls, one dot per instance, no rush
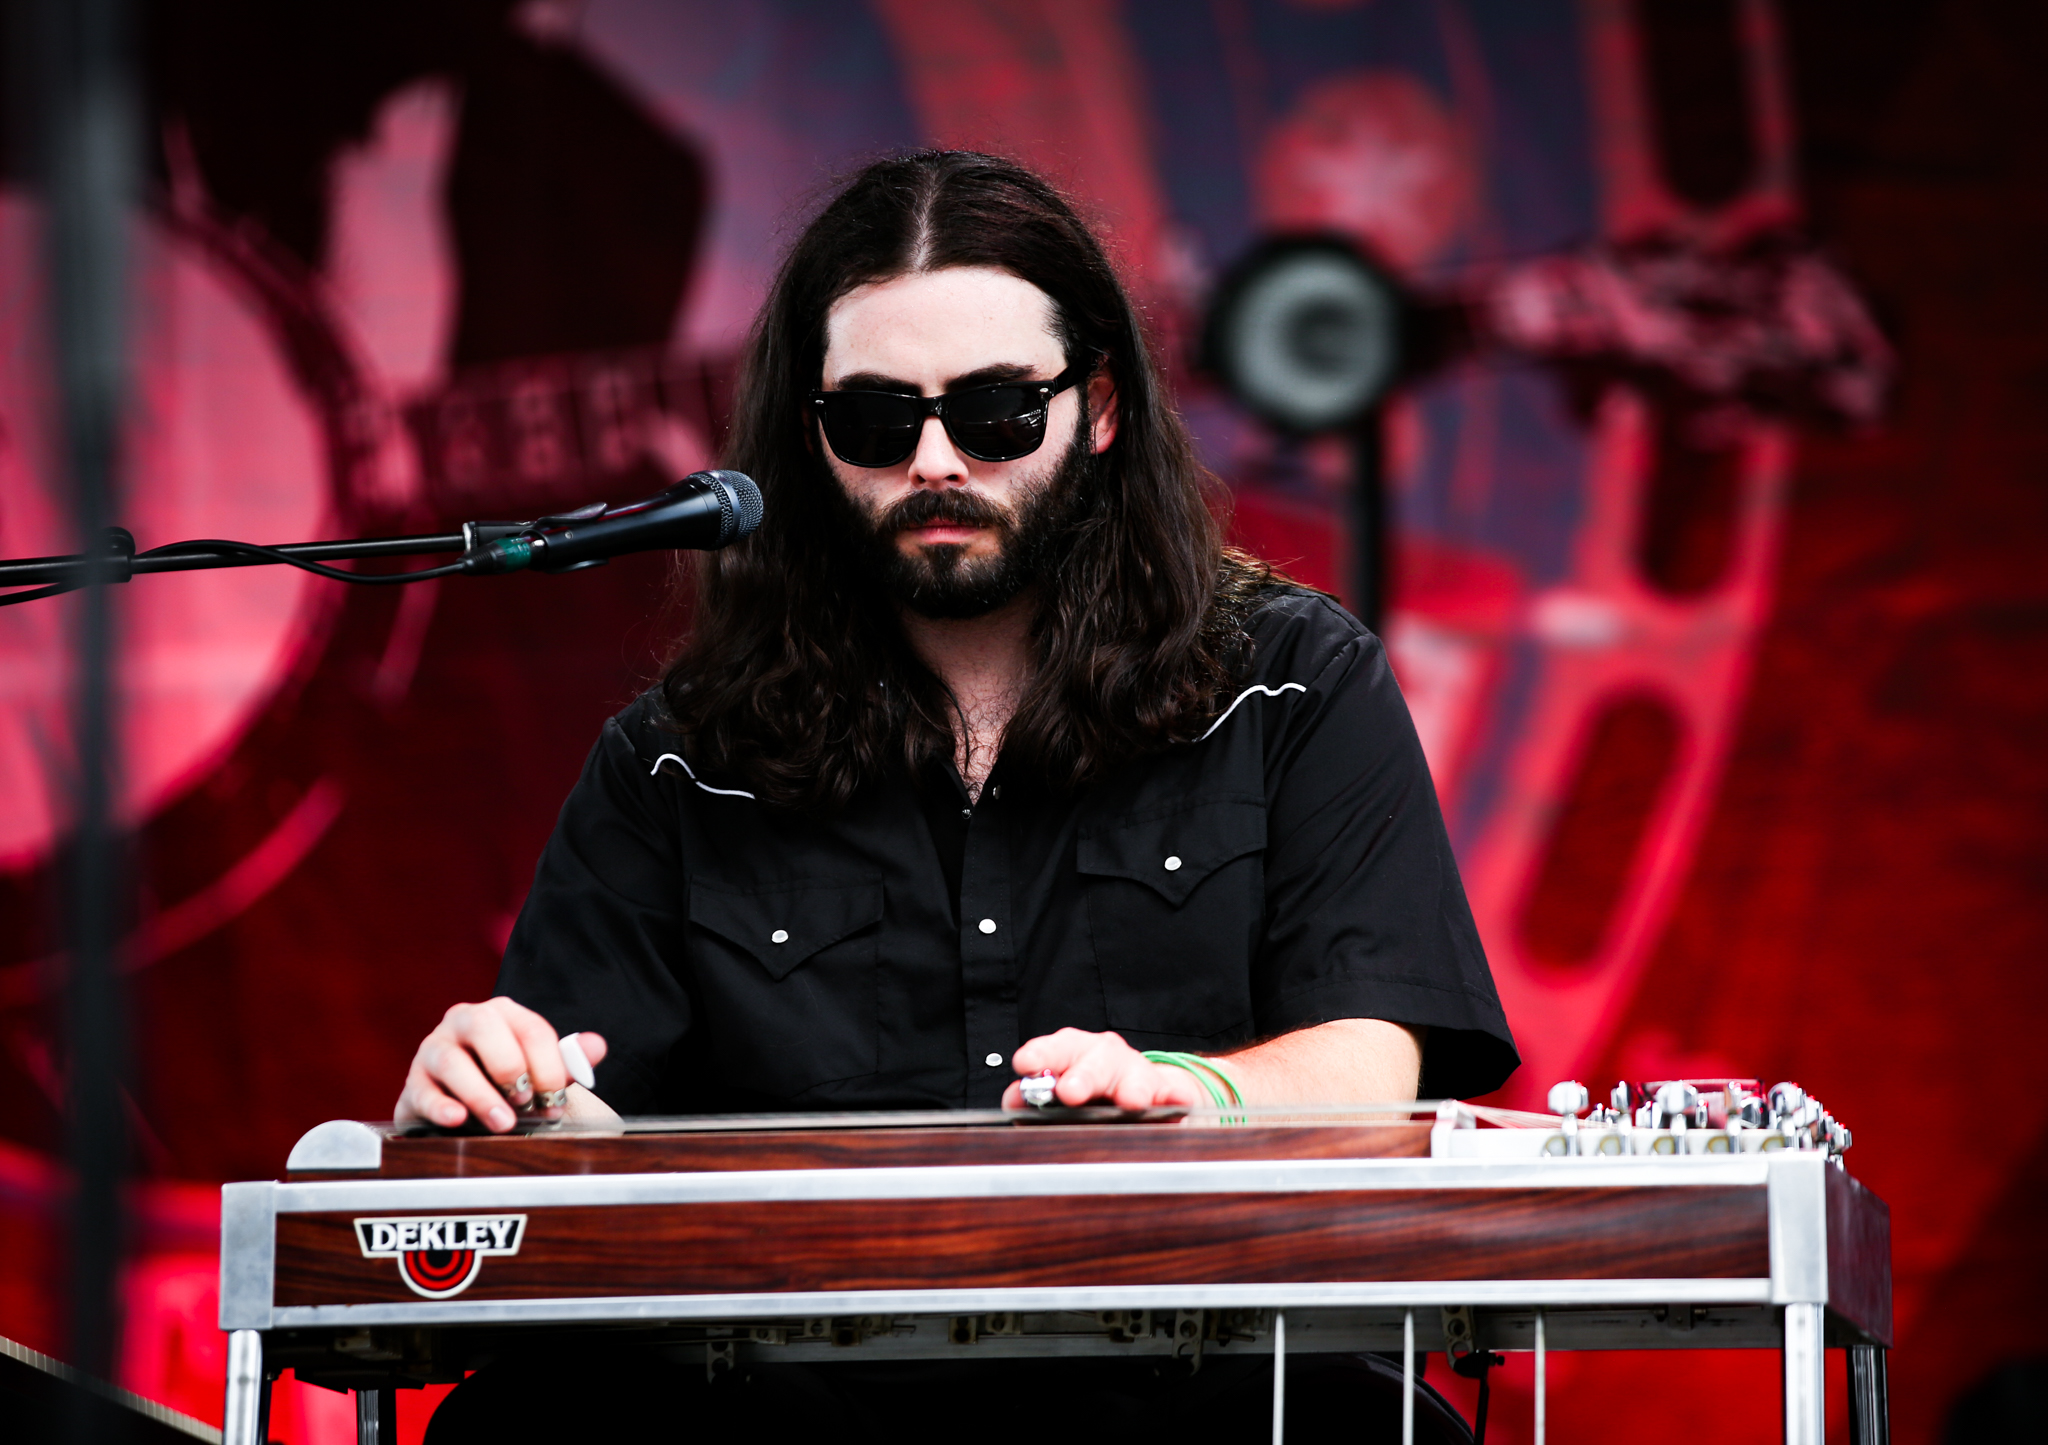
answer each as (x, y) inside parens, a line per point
(1828, 1282)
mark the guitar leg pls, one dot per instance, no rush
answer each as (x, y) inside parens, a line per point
(1408, 1377)
(1869, 1407)
(377, 1416)
(1805, 1376)
(1279, 1375)
(243, 1411)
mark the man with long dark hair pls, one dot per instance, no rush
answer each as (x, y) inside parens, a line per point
(984, 757)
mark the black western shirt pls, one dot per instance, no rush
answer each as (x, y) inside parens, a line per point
(1288, 869)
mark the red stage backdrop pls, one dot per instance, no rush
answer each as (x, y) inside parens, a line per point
(1736, 721)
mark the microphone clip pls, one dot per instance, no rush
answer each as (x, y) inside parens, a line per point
(495, 548)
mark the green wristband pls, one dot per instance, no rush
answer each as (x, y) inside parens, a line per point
(1204, 1072)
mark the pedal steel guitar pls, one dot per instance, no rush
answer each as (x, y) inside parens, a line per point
(1685, 1215)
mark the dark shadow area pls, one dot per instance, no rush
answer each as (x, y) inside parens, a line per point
(1689, 515)
(1700, 97)
(2011, 1404)
(40, 1400)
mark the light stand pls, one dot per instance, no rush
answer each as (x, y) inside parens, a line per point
(1307, 333)
(79, 56)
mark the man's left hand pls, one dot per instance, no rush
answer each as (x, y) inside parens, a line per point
(1101, 1069)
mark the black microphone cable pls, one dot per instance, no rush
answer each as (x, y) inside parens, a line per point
(251, 549)
(248, 549)
(704, 511)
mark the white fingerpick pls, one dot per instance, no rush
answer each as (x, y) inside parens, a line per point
(577, 1062)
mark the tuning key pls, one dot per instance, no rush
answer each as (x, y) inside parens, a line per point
(1569, 1098)
(1676, 1106)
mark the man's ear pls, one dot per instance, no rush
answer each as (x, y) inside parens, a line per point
(1103, 408)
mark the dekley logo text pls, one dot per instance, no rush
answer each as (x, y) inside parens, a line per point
(439, 1257)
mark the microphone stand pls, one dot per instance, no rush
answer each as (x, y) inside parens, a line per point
(118, 560)
(703, 511)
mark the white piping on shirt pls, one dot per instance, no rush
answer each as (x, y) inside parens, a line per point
(1255, 687)
(679, 761)
(676, 758)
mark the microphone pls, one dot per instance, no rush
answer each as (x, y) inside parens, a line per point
(702, 512)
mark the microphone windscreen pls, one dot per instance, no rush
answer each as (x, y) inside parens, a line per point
(746, 503)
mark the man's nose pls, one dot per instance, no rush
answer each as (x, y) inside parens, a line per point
(936, 462)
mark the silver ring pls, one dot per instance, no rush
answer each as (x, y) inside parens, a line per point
(1037, 1089)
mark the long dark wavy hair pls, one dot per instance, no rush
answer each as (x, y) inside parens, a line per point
(796, 675)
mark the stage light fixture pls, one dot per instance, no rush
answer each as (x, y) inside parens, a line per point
(1306, 333)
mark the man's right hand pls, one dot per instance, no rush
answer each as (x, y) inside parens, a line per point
(467, 1066)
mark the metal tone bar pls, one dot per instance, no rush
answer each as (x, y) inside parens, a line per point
(243, 1409)
(1279, 1377)
(41, 571)
(1869, 1408)
(377, 1417)
(1408, 1377)
(1542, 1378)
(1805, 1376)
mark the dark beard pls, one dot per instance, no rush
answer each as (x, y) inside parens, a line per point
(937, 582)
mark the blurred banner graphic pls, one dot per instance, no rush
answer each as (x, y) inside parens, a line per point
(407, 266)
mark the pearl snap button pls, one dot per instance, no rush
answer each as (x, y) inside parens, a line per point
(988, 925)
(994, 1061)
(1173, 865)
(780, 935)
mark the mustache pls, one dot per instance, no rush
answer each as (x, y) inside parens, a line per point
(962, 508)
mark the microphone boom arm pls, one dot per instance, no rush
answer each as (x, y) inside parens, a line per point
(119, 560)
(706, 509)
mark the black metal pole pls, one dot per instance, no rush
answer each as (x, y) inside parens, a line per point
(1368, 520)
(36, 571)
(86, 133)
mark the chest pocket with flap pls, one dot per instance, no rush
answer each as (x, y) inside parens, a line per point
(1175, 907)
(786, 977)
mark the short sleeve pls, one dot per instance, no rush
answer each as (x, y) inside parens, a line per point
(1366, 915)
(599, 943)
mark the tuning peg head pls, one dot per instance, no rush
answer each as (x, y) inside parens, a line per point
(1675, 1101)
(1569, 1097)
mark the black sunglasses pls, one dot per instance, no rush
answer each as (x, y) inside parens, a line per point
(997, 423)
